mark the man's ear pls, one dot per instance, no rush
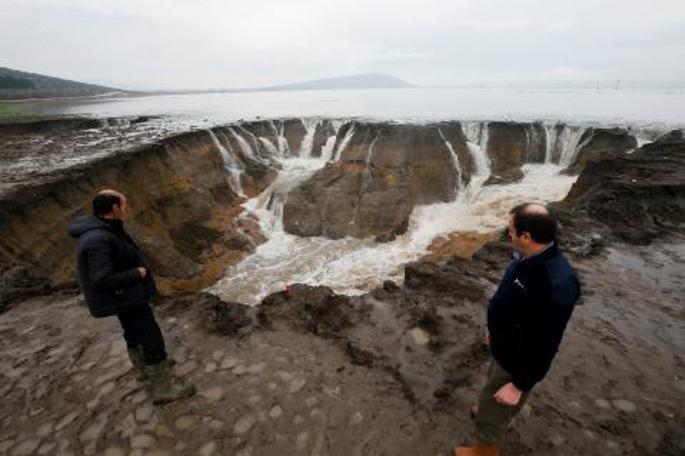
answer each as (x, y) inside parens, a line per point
(526, 236)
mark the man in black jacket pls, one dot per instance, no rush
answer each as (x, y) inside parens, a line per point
(116, 280)
(526, 321)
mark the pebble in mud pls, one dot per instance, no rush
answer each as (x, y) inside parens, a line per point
(184, 422)
(47, 448)
(142, 441)
(208, 449)
(186, 368)
(210, 367)
(163, 430)
(602, 403)
(213, 394)
(296, 385)
(68, 419)
(228, 363)
(420, 336)
(624, 405)
(244, 424)
(256, 368)
(25, 448)
(275, 412)
(45, 430)
(143, 414)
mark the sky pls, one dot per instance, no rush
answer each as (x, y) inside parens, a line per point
(200, 44)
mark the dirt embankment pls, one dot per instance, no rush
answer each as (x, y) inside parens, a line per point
(313, 373)
(183, 213)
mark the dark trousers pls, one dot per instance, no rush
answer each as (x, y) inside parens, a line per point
(141, 330)
(493, 418)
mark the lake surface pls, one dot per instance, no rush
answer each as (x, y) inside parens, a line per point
(639, 107)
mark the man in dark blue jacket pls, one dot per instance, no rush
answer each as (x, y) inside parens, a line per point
(116, 280)
(526, 321)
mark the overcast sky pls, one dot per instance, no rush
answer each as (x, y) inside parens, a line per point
(147, 44)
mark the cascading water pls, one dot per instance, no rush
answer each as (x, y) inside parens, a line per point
(570, 139)
(346, 139)
(327, 149)
(562, 143)
(308, 140)
(232, 165)
(244, 145)
(455, 161)
(270, 148)
(477, 143)
(353, 265)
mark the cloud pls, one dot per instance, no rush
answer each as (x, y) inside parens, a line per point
(218, 43)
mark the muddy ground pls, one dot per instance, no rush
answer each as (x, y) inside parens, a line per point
(392, 372)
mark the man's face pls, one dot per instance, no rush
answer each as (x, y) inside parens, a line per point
(519, 242)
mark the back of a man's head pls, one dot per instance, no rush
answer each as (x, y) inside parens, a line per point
(104, 200)
(536, 220)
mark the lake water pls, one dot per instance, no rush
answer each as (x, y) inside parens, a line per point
(658, 108)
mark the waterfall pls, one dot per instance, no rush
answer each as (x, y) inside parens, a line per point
(327, 149)
(270, 148)
(550, 141)
(562, 143)
(455, 161)
(570, 145)
(477, 135)
(346, 139)
(337, 123)
(281, 142)
(244, 145)
(232, 166)
(308, 140)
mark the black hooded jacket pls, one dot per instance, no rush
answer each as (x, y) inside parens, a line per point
(528, 314)
(107, 266)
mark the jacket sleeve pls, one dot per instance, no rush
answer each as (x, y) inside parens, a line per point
(101, 269)
(540, 341)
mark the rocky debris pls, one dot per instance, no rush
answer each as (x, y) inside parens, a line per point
(599, 143)
(510, 145)
(16, 282)
(384, 171)
(311, 309)
(185, 220)
(634, 197)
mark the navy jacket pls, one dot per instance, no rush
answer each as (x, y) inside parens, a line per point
(528, 314)
(107, 261)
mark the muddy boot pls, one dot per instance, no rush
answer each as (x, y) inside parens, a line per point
(477, 450)
(138, 361)
(163, 387)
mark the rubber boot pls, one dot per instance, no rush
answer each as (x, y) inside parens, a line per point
(138, 361)
(163, 388)
(477, 450)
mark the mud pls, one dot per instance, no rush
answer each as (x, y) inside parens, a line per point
(393, 371)
(309, 372)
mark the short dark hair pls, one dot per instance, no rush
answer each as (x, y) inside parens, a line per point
(103, 202)
(542, 227)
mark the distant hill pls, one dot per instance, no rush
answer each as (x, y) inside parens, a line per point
(19, 85)
(357, 81)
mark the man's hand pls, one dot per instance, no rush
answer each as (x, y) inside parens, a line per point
(142, 272)
(487, 337)
(509, 395)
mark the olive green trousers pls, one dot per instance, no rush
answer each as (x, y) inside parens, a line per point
(493, 418)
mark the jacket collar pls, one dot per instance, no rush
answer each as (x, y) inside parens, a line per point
(550, 250)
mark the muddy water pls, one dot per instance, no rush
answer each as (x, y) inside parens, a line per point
(354, 266)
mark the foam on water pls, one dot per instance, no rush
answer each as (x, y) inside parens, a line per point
(354, 266)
